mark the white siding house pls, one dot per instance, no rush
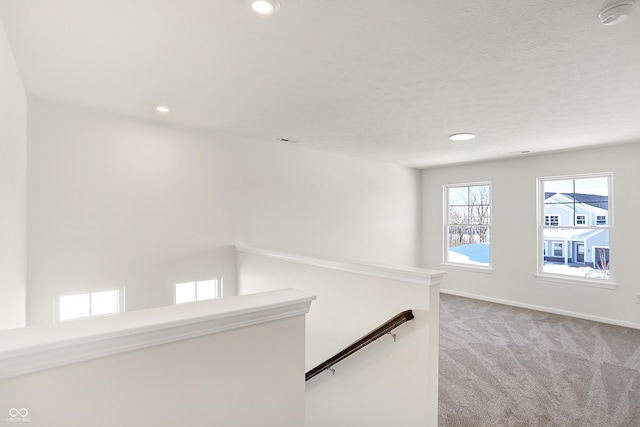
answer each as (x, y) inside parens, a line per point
(575, 240)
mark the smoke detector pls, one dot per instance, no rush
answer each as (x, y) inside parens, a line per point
(616, 12)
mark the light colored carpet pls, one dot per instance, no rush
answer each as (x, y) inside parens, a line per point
(507, 366)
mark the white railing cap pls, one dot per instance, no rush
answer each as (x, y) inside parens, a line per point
(415, 275)
(34, 348)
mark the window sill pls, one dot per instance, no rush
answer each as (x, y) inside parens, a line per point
(468, 267)
(594, 283)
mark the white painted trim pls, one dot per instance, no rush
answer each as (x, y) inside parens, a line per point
(468, 267)
(419, 276)
(576, 280)
(545, 309)
(35, 348)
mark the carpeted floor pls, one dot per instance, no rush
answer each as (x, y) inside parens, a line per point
(507, 366)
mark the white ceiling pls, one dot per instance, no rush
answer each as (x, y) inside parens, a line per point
(385, 80)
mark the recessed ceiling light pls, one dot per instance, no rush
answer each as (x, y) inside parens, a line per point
(264, 7)
(162, 108)
(461, 136)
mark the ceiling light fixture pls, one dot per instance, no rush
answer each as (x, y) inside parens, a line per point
(162, 109)
(461, 136)
(264, 7)
(616, 12)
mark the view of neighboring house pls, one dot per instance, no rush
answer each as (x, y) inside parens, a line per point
(576, 231)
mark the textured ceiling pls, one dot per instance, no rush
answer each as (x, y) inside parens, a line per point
(386, 80)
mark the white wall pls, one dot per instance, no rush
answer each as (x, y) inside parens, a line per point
(13, 190)
(513, 233)
(247, 377)
(116, 202)
(384, 384)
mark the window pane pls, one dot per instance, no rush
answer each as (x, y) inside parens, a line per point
(577, 252)
(458, 196)
(481, 234)
(471, 253)
(207, 289)
(480, 214)
(479, 195)
(559, 186)
(74, 306)
(599, 186)
(554, 210)
(104, 302)
(185, 292)
(458, 214)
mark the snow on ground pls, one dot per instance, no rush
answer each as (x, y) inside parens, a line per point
(477, 254)
(574, 271)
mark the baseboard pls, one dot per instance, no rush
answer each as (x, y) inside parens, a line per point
(544, 309)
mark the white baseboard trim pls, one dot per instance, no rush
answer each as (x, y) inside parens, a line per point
(543, 309)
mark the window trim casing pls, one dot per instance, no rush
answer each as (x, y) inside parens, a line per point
(568, 279)
(445, 230)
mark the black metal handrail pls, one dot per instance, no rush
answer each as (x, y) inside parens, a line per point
(383, 329)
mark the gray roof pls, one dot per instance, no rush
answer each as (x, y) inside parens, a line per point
(594, 200)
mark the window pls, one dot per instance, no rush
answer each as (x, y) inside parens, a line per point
(198, 291)
(468, 224)
(88, 304)
(557, 250)
(551, 220)
(574, 227)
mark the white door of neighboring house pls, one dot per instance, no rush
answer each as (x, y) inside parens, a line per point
(580, 252)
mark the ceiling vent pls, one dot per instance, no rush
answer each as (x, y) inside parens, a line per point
(617, 12)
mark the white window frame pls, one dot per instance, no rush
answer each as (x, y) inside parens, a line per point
(564, 278)
(445, 220)
(601, 223)
(218, 292)
(583, 217)
(58, 312)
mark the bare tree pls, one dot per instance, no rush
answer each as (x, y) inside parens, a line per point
(469, 216)
(480, 209)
